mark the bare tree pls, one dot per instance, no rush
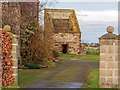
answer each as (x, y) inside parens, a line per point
(42, 5)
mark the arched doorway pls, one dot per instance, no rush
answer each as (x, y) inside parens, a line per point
(64, 48)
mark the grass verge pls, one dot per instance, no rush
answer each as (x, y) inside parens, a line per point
(10, 87)
(93, 79)
(29, 76)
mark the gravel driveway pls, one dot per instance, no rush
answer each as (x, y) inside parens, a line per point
(68, 74)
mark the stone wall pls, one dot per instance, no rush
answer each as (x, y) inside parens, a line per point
(11, 15)
(71, 39)
(109, 60)
(19, 14)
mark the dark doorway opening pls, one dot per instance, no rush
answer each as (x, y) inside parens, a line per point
(64, 48)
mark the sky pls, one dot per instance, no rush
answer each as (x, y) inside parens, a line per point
(93, 17)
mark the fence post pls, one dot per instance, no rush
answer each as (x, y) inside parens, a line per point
(108, 75)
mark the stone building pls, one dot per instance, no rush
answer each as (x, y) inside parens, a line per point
(65, 28)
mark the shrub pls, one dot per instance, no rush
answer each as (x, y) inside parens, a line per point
(39, 47)
(47, 63)
(32, 66)
(55, 54)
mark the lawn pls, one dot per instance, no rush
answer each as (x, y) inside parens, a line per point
(29, 76)
(11, 86)
(79, 57)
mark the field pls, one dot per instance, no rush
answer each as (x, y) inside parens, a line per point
(92, 51)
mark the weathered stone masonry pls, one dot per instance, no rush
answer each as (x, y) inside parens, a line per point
(66, 31)
(17, 14)
(70, 39)
(109, 60)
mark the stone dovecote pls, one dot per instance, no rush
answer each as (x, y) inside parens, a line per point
(66, 32)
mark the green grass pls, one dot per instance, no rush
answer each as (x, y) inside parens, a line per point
(89, 57)
(68, 55)
(29, 76)
(79, 57)
(11, 86)
(93, 79)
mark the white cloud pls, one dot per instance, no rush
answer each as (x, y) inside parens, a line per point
(104, 16)
(93, 23)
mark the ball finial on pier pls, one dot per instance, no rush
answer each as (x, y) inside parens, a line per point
(7, 28)
(110, 29)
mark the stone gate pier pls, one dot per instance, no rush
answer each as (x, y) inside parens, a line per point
(109, 75)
